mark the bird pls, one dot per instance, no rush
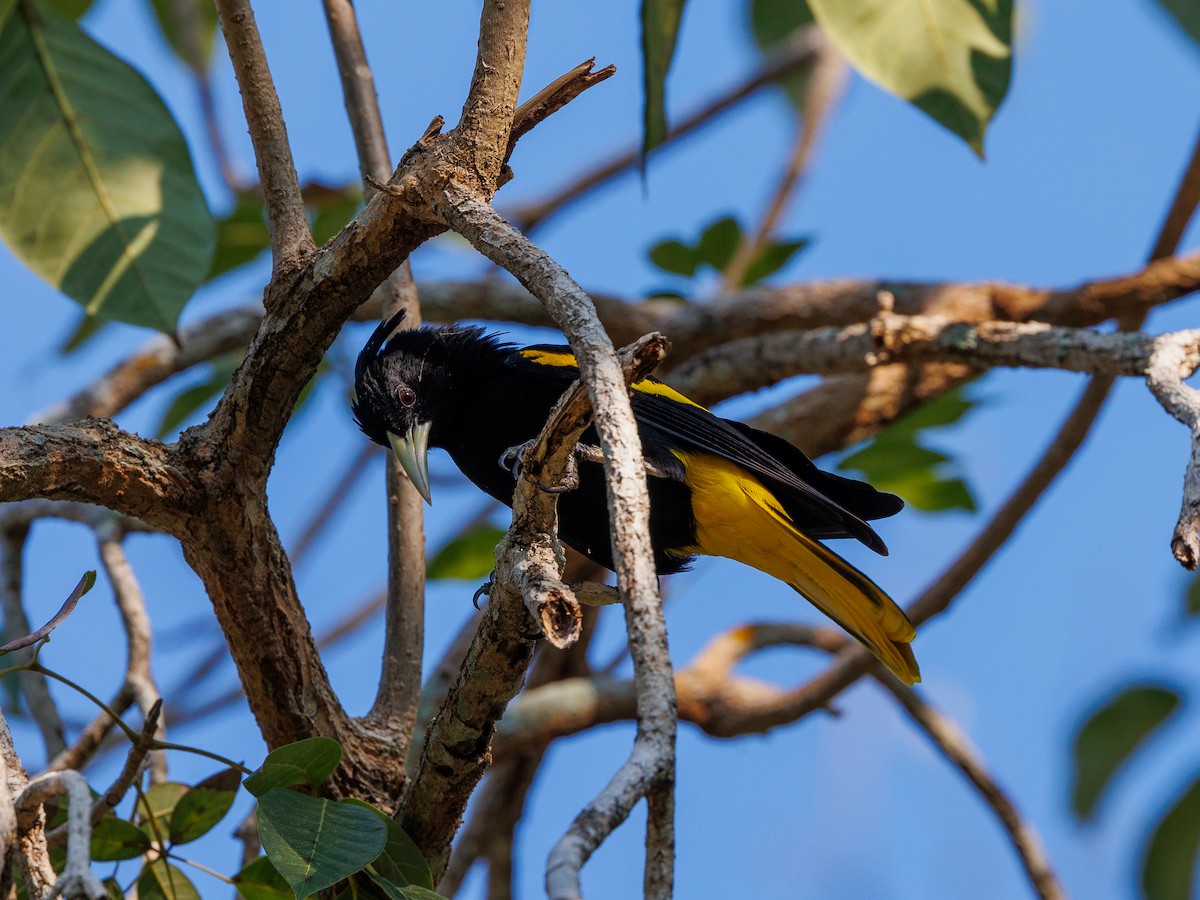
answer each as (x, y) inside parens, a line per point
(717, 487)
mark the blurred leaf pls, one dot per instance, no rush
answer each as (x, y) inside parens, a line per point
(260, 880)
(1110, 735)
(115, 839)
(772, 22)
(665, 294)
(896, 461)
(241, 235)
(675, 257)
(393, 891)
(718, 242)
(196, 397)
(1169, 864)
(198, 811)
(314, 843)
(660, 30)
(201, 17)
(162, 881)
(97, 191)
(71, 9)
(330, 207)
(86, 328)
(952, 59)
(1193, 597)
(114, 889)
(1186, 14)
(308, 762)
(401, 862)
(157, 803)
(469, 556)
(771, 259)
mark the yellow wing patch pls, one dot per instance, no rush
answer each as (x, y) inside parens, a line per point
(557, 358)
(563, 360)
(739, 518)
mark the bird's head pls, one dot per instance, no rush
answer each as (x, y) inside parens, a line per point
(404, 388)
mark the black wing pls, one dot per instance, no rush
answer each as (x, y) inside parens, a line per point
(822, 504)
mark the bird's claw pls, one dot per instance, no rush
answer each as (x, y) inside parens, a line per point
(510, 460)
(485, 589)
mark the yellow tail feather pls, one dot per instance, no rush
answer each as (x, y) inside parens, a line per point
(739, 518)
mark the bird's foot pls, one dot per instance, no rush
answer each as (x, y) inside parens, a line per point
(510, 460)
(485, 589)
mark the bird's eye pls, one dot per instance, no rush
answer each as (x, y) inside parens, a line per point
(408, 396)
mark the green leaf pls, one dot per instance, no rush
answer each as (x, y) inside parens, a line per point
(675, 257)
(719, 242)
(97, 191)
(330, 207)
(192, 399)
(113, 887)
(394, 891)
(155, 807)
(1169, 863)
(162, 881)
(241, 235)
(1186, 14)
(952, 59)
(1193, 597)
(401, 862)
(260, 880)
(772, 23)
(896, 461)
(307, 762)
(71, 9)
(190, 27)
(660, 30)
(469, 556)
(86, 328)
(114, 839)
(1110, 736)
(197, 812)
(315, 843)
(771, 259)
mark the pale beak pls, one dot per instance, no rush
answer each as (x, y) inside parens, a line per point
(412, 450)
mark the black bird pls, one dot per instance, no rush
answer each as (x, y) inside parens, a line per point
(717, 488)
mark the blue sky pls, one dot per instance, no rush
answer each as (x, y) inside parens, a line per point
(1081, 162)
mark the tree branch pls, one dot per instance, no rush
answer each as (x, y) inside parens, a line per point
(95, 462)
(487, 115)
(399, 689)
(651, 765)
(286, 216)
(36, 691)
(797, 57)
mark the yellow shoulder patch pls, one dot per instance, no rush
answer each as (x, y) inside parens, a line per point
(558, 358)
(662, 390)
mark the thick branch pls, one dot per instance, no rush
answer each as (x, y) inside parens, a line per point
(286, 217)
(95, 462)
(487, 115)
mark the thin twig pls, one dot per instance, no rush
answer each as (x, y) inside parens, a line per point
(651, 764)
(404, 622)
(554, 97)
(529, 216)
(287, 219)
(34, 688)
(956, 747)
(335, 500)
(826, 77)
(131, 604)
